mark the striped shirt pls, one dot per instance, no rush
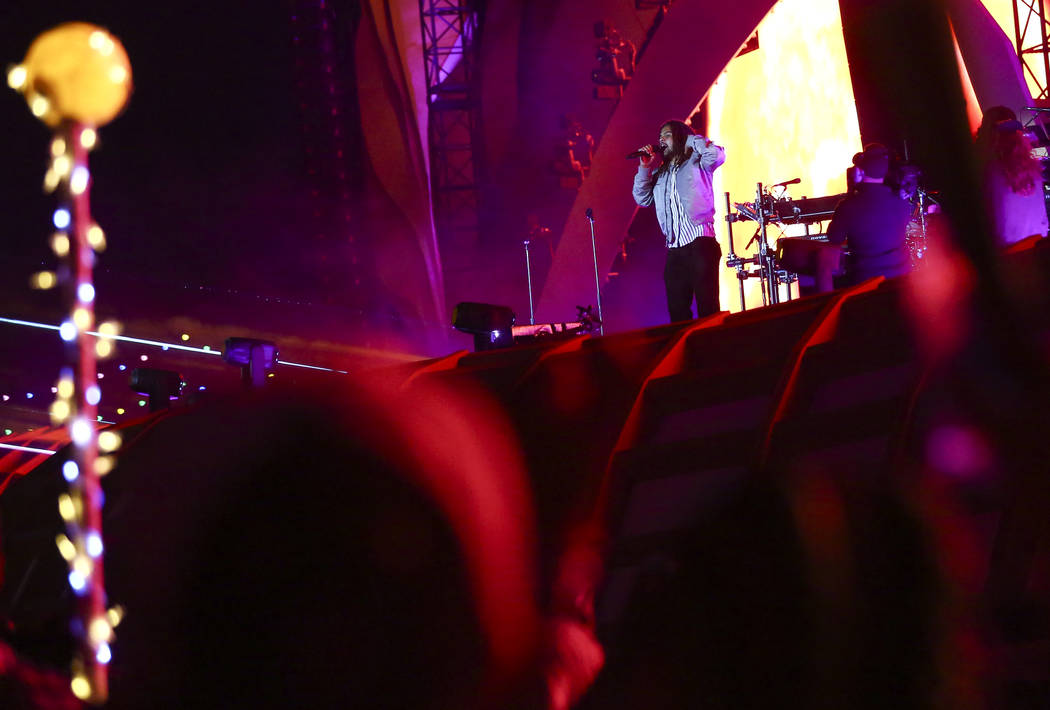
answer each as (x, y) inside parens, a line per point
(681, 230)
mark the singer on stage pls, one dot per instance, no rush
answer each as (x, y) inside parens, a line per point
(676, 176)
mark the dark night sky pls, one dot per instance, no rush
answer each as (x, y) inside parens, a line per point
(200, 181)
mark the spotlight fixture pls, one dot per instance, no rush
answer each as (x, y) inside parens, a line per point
(256, 358)
(491, 326)
(160, 386)
(616, 56)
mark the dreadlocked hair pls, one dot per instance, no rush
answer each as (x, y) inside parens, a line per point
(680, 152)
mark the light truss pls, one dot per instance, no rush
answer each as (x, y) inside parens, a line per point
(450, 29)
(1030, 39)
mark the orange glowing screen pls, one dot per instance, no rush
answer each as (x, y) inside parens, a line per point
(783, 111)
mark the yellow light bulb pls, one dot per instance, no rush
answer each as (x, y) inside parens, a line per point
(83, 566)
(115, 615)
(79, 182)
(62, 165)
(39, 106)
(88, 138)
(60, 243)
(51, 180)
(84, 72)
(44, 280)
(82, 318)
(66, 508)
(80, 687)
(109, 328)
(59, 411)
(100, 631)
(96, 237)
(104, 464)
(104, 348)
(65, 387)
(108, 441)
(16, 78)
(66, 547)
(58, 147)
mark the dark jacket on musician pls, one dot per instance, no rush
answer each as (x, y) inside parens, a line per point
(873, 222)
(693, 179)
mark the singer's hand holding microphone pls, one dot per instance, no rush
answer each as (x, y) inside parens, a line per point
(645, 155)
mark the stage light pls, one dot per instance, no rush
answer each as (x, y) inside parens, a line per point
(491, 326)
(58, 146)
(88, 138)
(104, 655)
(93, 395)
(161, 386)
(256, 358)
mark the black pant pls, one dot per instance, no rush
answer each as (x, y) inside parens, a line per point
(691, 271)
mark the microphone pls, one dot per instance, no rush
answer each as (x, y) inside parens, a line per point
(642, 153)
(796, 181)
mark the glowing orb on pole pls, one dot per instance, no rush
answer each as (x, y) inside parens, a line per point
(76, 72)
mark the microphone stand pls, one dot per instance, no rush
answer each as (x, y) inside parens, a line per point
(528, 275)
(732, 260)
(597, 280)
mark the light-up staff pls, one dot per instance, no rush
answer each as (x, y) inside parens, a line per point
(75, 78)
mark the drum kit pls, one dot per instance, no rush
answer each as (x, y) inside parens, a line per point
(809, 253)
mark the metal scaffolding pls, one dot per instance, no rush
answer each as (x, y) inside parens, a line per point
(1030, 38)
(450, 56)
